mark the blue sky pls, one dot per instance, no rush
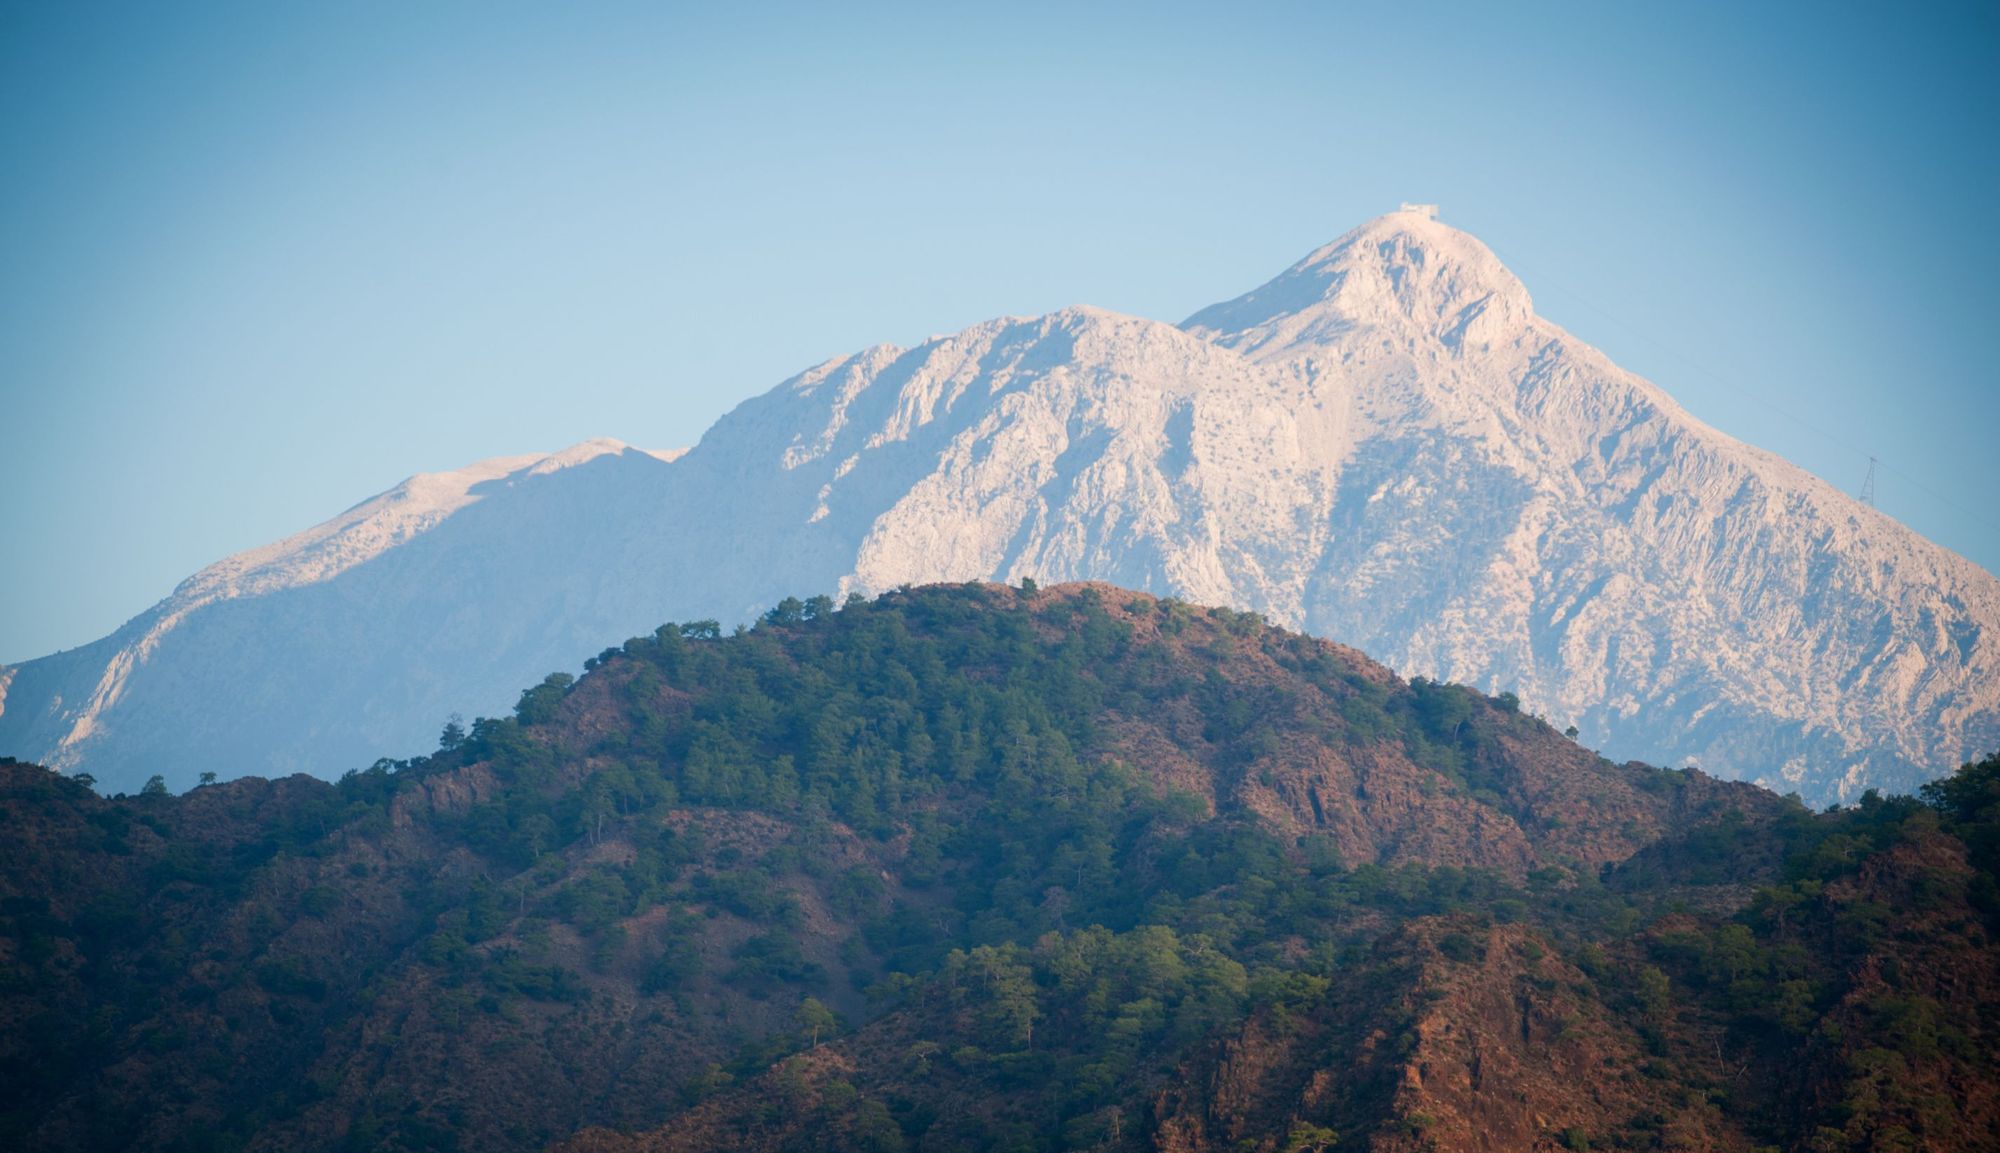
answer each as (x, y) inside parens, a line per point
(263, 261)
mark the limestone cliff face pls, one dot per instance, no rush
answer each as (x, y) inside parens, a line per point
(1385, 445)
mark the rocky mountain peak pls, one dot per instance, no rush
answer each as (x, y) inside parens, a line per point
(1383, 445)
(1405, 271)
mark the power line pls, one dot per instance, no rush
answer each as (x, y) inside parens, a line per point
(1874, 463)
(1941, 497)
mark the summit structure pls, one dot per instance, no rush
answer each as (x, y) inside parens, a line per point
(1384, 445)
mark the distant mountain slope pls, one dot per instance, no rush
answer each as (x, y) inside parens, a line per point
(338, 645)
(1385, 445)
(968, 867)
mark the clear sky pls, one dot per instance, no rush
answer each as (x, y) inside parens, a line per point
(259, 262)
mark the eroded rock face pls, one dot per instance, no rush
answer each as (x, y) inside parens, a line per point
(1385, 445)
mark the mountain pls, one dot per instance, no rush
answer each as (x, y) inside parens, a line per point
(1385, 445)
(356, 638)
(968, 867)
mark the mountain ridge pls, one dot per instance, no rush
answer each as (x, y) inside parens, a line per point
(96, 675)
(1384, 444)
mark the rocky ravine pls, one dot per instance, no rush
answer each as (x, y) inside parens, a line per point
(1384, 445)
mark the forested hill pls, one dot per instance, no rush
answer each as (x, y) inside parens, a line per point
(969, 867)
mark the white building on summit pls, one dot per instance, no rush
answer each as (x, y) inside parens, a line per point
(1427, 211)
